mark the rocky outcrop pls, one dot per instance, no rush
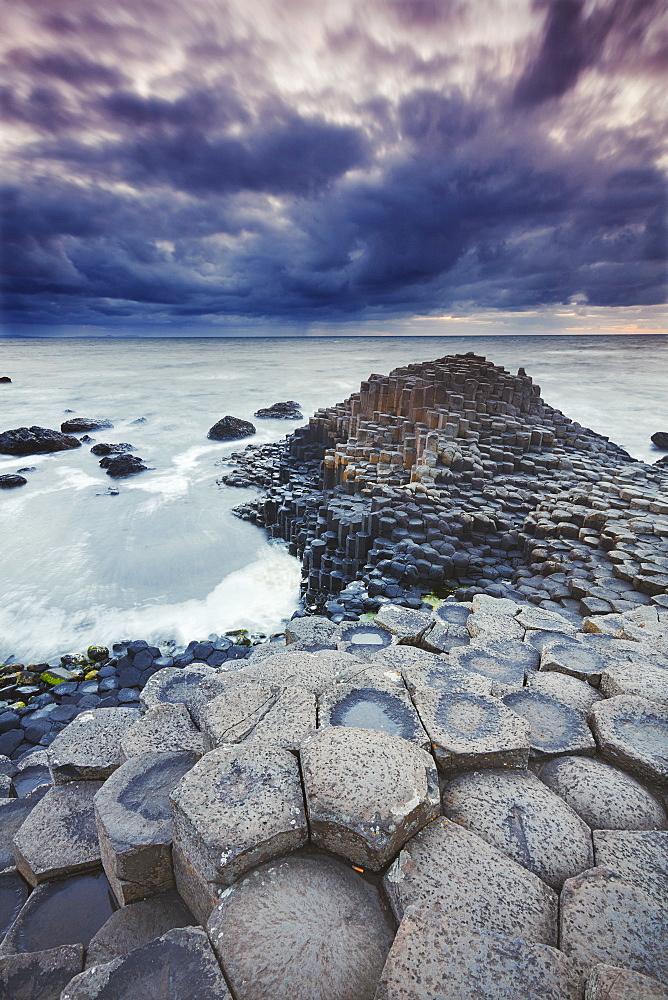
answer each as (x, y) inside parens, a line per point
(111, 449)
(120, 466)
(660, 439)
(35, 441)
(289, 410)
(8, 482)
(230, 428)
(79, 425)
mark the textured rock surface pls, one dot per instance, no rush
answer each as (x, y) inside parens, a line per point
(573, 658)
(13, 813)
(607, 982)
(554, 727)
(136, 925)
(641, 858)
(39, 975)
(14, 891)
(165, 728)
(35, 440)
(641, 679)
(375, 699)
(562, 687)
(633, 733)
(299, 668)
(367, 792)
(230, 428)
(301, 928)
(90, 747)
(177, 685)
(232, 715)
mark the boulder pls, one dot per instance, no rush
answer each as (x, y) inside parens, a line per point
(79, 425)
(134, 822)
(367, 792)
(103, 449)
(136, 925)
(290, 410)
(660, 440)
(632, 733)
(165, 728)
(90, 746)
(39, 975)
(35, 441)
(555, 728)
(8, 482)
(119, 466)
(609, 982)
(301, 928)
(456, 872)
(522, 818)
(231, 428)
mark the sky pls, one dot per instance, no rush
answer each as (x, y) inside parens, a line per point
(315, 166)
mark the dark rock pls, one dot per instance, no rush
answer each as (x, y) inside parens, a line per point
(78, 425)
(14, 891)
(289, 410)
(34, 441)
(120, 466)
(660, 439)
(9, 481)
(5, 378)
(137, 925)
(231, 428)
(39, 975)
(111, 449)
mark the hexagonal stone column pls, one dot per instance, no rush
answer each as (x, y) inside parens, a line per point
(521, 817)
(301, 927)
(405, 624)
(575, 659)
(375, 699)
(633, 734)
(165, 728)
(134, 822)
(39, 975)
(367, 792)
(233, 714)
(505, 663)
(640, 857)
(136, 925)
(175, 684)
(90, 747)
(554, 727)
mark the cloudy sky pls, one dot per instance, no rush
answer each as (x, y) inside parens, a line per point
(324, 165)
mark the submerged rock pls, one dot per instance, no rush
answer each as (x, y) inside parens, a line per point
(290, 410)
(119, 466)
(35, 441)
(231, 428)
(79, 425)
(5, 378)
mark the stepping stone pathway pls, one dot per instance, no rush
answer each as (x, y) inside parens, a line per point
(633, 733)
(134, 821)
(555, 728)
(522, 818)
(39, 975)
(303, 926)
(165, 728)
(136, 925)
(367, 792)
(454, 870)
(603, 796)
(90, 746)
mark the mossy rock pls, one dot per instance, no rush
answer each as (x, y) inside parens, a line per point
(97, 653)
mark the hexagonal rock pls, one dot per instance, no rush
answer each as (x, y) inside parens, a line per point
(367, 792)
(174, 684)
(443, 638)
(198, 893)
(545, 621)
(166, 728)
(396, 657)
(238, 807)
(179, 965)
(444, 678)
(405, 624)
(564, 688)
(434, 956)
(470, 731)
(134, 822)
(312, 671)
(209, 687)
(39, 975)
(482, 625)
(643, 680)
(608, 982)
(312, 629)
(90, 747)
(633, 733)
(59, 836)
(288, 722)
(575, 659)
(506, 674)
(231, 716)
(605, 919)
(555, 728)
(448, 867)
(494, 605)
(301, 927)
(640, 857)
(13, 812)
(521, 817)
(372, 701)
(136, 925)
(603, 796)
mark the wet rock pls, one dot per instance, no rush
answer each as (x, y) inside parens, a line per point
(176, 685)
(522, 818)
(367, 792)
(179, 965)
(301, 927)
(39, 975)
(165, 728)
(239, 806)
(13, 813)
(5, 378)
(8, 482)
(607, 982)
(136, 925)
(453, 870)
(564, 688)
(506, 672)
(35, 441)
(134, 821)
(472, 731)
(639, 857)
(372, 701)
(660, 439)
(574, 659)
(230, 428)
(79, 425)
(603, 796)
(14, 891)
(103, 449)
(555, 728)
(406, 625)
(90, 746)
(632, 733)
(312, 629)
(362, 639)
(433, 956)
(59, 837)
(119, 466)
(641, 679)
(290, 410)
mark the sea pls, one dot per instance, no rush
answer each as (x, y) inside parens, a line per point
(165, 558)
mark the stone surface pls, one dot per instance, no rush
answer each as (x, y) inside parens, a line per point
(230, 428)
(575, 659)
(444, 678)
(39, 975)
(405, 624)
(522, 818)
(176, 685)
(179, 965)
(289, 410)
(312, 629)
(632, 733)
(79, 425)
(136, 925)
(59, 836)
(165, 728)
(301, 928)
(453, 870)
(13, 813)
(90, 746)
(314, 672)
(603, 796)
(568, 690)
(35, 440)
(14, 891)
(288, 722)
(232, 715)
(505, 672)
(434, 957)
(641, 679)
(608, 982)
(239, 806)
(555, 728)
(640, 857)
(545, 621)
(472, 731)
(482, 625)
(375, 699)
(134, 821)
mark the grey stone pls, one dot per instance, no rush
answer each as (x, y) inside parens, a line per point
(13, 813)
(408, 626)
(494, 605)
(608, 982)
(564, 688)
(604, 919)
(59, 836)
(174, 684)
(313, 629)
(6, 787)
(7, 766)
(134, 822)
(179, 965)
(456, 872)
(375, 699)
(603, 796)
(397, 657)
(238, 807)
(545, 621)
(640, 857)
(301, 928)
(198, 893)
(444, 678)
(89, 748)
(482, 625)
(555, 728)
(522, 818)
(288, 722)
(633, 734)
(575, 659)
(453, 612)
(470, 731)
(39, 975)
(643, 680)
(367, 792)
(136, 925)
(434, 957)
(507, 674)
(14, 891)
(312, 671)
(232, 715)
(166, 728)
(443, 638)
(201, 695)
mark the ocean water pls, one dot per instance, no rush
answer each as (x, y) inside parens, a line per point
(166, 558)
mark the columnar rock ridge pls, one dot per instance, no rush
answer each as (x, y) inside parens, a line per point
(467, 803)
(455, 473)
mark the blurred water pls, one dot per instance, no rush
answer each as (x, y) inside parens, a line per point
(166, 558)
